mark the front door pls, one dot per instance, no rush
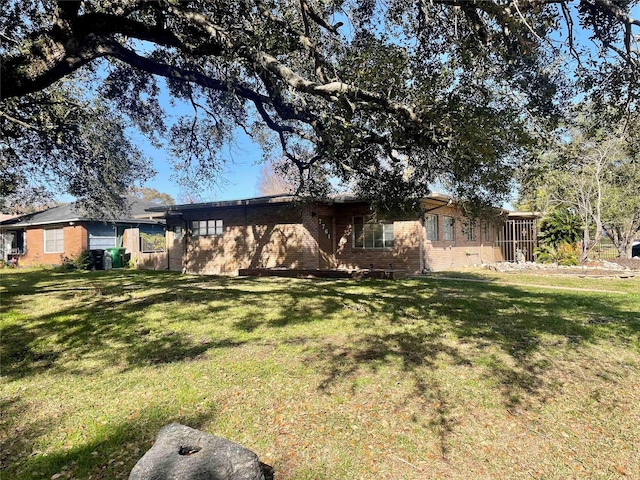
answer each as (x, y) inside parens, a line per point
(325, 241)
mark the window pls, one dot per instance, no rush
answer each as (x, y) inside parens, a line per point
(152, 242)
(470, 231)
(54, 240)
(485, 231)
(102, 236)
(431, 223)
(206, 227)
(372, 235)
(448, 231)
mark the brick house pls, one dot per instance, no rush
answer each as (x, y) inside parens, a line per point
(279, 232)
(45, 238)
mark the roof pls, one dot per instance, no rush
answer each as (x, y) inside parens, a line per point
(138, 213)
(286, 198)
(267, 200)
(5, 216)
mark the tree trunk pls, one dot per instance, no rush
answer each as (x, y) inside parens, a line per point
(622, 238)
(586, 244)
(624, 247)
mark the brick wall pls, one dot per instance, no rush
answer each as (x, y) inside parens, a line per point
(75, 241)
(287, 236)
(412, 251)
(443, 254)
(405, 254)
(254, 236)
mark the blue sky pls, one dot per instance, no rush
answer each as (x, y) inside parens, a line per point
(241, 169)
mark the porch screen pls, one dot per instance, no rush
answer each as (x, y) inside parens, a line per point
(102, 236)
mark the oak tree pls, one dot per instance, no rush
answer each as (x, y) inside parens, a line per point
(385, 96)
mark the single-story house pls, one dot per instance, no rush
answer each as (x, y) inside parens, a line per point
(342, 233)
(47, 237)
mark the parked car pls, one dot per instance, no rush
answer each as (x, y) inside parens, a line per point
(635, 250)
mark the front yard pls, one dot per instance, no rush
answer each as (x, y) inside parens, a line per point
(323, 379)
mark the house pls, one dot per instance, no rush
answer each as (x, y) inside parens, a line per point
(341, 234)
(47, 237)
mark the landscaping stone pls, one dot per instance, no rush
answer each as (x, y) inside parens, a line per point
(184, 453)
(615, 265)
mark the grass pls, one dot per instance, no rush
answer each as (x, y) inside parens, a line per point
(412, 379)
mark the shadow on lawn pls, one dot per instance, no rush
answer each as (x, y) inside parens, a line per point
(513, 333)
(481, 316)
(415, 323)
(415, 317)
(105, 319)
(110, 454)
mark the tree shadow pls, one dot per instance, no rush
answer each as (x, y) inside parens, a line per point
(511, 331)
(417, 318)
(104, 314)
(112, 452)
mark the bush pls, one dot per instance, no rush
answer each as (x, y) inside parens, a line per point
(564, 254)
(81, 261)
(560, 227)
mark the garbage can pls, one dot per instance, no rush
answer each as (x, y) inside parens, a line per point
(117, 256)
(97, 259)
(122, 253)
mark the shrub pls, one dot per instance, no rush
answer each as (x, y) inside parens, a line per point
(561, 226)
(81, 261)
(563, 254)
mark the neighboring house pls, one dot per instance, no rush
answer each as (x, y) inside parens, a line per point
(45, 238)
(280, 232)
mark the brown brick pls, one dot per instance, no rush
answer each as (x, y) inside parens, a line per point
(75, 241)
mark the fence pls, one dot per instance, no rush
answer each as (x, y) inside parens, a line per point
(603, 250)
(518, 235)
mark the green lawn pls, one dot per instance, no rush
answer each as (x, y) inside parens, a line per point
(323, 379)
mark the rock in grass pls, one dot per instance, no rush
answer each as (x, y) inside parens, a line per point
(184, 453)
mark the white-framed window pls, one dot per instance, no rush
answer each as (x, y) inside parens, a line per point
(54, 240)
(485, 231)
(206, 227)
(448, 230)
(431, 224)
(372, 234)
(470, 230)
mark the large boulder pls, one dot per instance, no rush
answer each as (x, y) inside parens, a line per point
(183, 453)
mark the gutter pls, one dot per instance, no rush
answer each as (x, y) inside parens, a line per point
(9, 226)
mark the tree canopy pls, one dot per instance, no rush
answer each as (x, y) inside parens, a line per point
(386, 97)
(594, 172)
